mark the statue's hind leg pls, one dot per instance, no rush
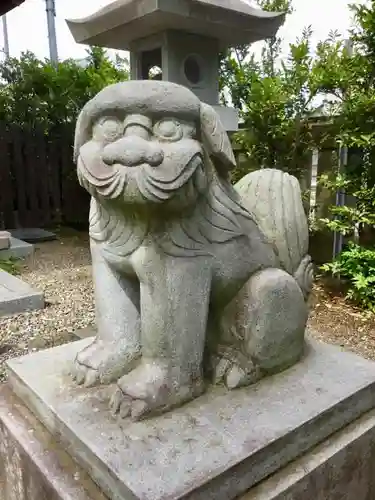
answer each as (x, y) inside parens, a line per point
(267, 323)
(116, 348)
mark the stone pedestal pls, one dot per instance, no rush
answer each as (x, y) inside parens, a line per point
(279, 439)
(32, 465)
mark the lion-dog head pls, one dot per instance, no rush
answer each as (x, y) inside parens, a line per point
(152, 147)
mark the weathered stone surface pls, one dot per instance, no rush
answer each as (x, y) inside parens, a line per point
(341, 468)
(32, 464)
(17, 249)
(4, 240)
(216, 447)
(181, 267)
(17, 296)
(232, 22)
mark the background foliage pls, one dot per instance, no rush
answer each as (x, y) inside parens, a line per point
(276, 95)
(351, 77)
(34, 91)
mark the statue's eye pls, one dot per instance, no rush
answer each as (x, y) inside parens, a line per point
(107, 129)
(168, 130)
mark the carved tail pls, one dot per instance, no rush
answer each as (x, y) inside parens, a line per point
(274, 199)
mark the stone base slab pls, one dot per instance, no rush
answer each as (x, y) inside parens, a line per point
(216, 447)
(18, 249)
(17, 296)
(32, 465)
(341, 468)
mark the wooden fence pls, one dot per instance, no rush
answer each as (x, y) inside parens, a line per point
(38, 185)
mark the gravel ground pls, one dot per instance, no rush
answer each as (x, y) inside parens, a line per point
(62, 270)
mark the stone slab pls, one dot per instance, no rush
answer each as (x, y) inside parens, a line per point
(18, 249)
(341, 468)
(216, 447)
(32, 234)
(17, 296)
(32, 464)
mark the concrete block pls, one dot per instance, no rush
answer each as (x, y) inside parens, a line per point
(17, 296)
(32, 464)
(216, 447)
(18, 249)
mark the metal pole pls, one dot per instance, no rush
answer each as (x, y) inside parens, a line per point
(6, 38)
(51, 14)
(313, 187)
(338, 239)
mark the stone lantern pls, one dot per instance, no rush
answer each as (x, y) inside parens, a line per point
(183, 38)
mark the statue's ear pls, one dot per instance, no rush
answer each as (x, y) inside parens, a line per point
(82, 133)
(216, 140)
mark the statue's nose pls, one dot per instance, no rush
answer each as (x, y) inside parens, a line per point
(132, 151)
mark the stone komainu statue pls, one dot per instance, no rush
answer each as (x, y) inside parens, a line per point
(193, 278)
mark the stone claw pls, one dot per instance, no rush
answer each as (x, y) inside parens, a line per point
(139, 409)
(232, 374)
(124, 406)
(115, 401)
(79, 374)
(91, 378)
(221, 369)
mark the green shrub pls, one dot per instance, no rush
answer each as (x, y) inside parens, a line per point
(10, 265)
(356, 267)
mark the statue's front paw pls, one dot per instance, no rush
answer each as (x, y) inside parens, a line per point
(149, 389)
(103, 363)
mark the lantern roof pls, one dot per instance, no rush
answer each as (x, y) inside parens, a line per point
(231, 22)
(8, 5)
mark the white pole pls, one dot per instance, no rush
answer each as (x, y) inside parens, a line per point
(6, 37)
(51, 14)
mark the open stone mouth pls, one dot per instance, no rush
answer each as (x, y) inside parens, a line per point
(157, 184)
(159, 172)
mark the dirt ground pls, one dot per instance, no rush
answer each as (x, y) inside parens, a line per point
(62, 270)
(335, 320)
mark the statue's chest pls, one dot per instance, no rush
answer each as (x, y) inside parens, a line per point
(145, 260)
